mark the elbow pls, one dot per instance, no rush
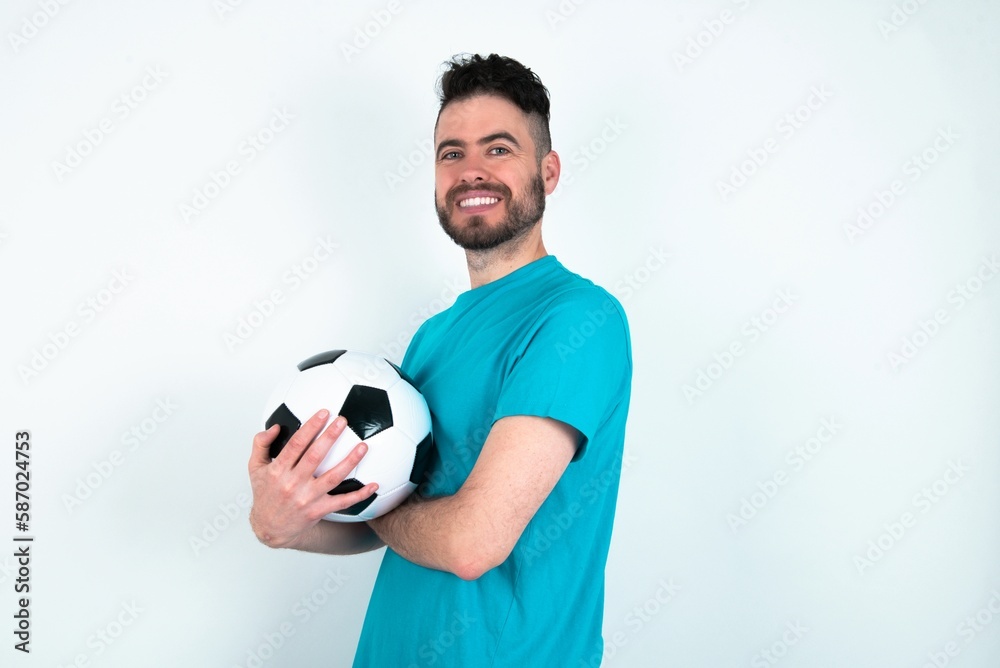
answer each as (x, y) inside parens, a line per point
(468, 571)
(471, 559)
(472, 568)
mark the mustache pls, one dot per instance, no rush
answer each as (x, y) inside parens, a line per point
(460, 190)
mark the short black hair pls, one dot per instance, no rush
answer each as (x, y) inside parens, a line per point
(470, 75)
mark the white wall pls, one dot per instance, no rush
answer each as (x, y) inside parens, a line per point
(910, 461)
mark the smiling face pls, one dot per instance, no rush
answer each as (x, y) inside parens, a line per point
(489, 185)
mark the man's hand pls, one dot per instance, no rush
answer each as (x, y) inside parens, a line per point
(288, 502)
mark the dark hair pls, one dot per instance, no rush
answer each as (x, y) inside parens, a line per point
(471, 75)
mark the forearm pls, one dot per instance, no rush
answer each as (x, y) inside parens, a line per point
(442, 533)
(475, 529)
(336, 538)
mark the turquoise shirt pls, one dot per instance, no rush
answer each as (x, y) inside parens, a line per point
(540, 341)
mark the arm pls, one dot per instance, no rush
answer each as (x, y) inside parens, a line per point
(476, 528)
(288, 502)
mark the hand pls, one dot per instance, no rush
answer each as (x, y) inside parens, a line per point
(288, 501)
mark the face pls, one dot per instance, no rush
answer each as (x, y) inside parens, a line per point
(489, 188)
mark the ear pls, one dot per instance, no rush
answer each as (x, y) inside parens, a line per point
(551, 168)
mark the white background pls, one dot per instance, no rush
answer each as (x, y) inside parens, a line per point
(654, 105)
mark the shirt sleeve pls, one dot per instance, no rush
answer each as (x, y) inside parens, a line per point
(574, 365)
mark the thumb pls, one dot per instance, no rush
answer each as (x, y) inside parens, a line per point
(260, 454)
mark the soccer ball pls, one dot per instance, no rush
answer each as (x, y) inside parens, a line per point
(382, 408)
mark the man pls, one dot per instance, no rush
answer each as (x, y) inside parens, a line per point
(499, 558)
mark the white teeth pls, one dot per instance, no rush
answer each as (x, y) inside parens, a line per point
(478, 201)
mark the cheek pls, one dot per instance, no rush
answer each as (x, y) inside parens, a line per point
(439, 194)
(443, 182)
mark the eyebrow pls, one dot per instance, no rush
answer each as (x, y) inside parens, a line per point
(485, 140)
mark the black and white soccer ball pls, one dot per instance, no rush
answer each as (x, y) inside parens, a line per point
(382, 408)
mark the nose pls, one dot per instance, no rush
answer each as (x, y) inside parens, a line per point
(473, 170)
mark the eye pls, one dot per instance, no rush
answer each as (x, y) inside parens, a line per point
(450, 155)
(502, 150)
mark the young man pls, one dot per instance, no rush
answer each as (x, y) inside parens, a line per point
(499, 558)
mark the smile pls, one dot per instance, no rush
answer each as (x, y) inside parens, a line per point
(478, 201)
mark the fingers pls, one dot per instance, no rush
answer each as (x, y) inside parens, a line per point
(321, 446)
(336, 475)
(259, 453)
(338, 502)
(301, 439)
(288, 486)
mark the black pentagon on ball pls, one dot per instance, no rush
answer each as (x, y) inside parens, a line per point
(367, 411)
(422, 459)
(289, 425)
(328, 357)
(352, 485)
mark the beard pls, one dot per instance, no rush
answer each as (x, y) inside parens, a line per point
(522, 215)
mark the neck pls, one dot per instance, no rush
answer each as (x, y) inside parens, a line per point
(486, 266)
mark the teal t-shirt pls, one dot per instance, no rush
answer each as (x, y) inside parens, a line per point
(539, 341)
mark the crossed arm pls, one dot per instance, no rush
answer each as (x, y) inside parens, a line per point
(467, 533)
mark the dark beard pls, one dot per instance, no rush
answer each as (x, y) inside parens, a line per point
(522, 215)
